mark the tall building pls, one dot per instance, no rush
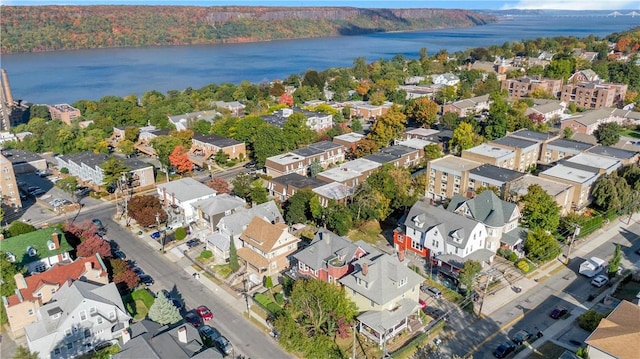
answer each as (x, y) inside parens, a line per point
(12, 112)
(9, 192)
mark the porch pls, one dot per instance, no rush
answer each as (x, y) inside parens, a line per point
(381, 326)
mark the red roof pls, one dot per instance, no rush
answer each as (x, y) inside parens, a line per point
(56, 275)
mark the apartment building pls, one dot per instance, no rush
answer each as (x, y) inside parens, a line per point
(86, 167)
(562, 193)
(204, 147)
(448, 175)
(561, 148)
(64, 112)
(580, 177)
(593, 95)
(524, 86)
(9, 191)
(316, 121)
(283, 187)
(298, 161)
(487, 176)
(488, 153)
(350, 173)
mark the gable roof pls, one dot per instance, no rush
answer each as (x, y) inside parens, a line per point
(186, 189)
(383, 274)
(485, 207)
(325, 246)
(263, 234)
(57, 275)
(219, 204)
(39, 240)
(619, 333)
(236, 223)
(451, 225)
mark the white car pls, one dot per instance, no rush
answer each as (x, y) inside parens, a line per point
(600, 280)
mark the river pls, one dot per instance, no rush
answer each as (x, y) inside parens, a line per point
(67, 76)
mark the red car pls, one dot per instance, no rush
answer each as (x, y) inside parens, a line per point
(422, 304)
(204, 313)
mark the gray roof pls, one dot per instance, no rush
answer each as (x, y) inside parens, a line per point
(235, 223)
(398, 150)
(481, 255)
(298, 181)
(495, 173)
(533, 135)
(514, 142)
(219, 240)
(325, 246)
(383, 277)
(568, 144)
(16, 156)
(381, 157)
(216, 140)
(219, 204)
(95, 160)
(334, 190)
(515, 236)
(186, 189)
(152, 340)
(324, 145)
(613, 152)
(388, 318)
(485, 207)
(448, 223)
(307, 151)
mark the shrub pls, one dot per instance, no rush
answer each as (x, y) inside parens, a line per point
(504, 253)
(589, 320)
(513, 257)
(64, 170)
(523, 266)
(180, 234)
(279, 298)
(206, 254)
(273, 308)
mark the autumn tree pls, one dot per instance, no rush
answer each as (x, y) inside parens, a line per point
(364, 147)
(93, 245)
(179, 159)
(146, 210)
(608, 134)
(219, 184)
(286, 99)
(164, 146)
(540, 210)
(388, 127)
(423, 111)
(369, 203)
(122, 275)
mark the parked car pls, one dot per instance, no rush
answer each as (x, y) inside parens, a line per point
(155, 235)
(193, 318)
(193, 242)
(521, 336)
(146, 280)
(119, 254)
(558, 312)
(600, 280)
(32, 189)
(204, 313)
(422, 304)
(503, 350)
(98, 223)
(432, 291)
(38, 192)
(223, 345)
(209, 335)
(42, 173)
(138, 271)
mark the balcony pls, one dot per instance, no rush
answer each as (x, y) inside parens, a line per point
(336, 262)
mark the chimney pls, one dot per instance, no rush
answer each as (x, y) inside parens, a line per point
(88, 265)
(7, 88)
(401, 256)
(182, 334)
(56, 240)
(173, 199)
(365, 269)
(126, 335)
(20, 282)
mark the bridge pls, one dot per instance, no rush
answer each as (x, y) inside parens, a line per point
(617, 13)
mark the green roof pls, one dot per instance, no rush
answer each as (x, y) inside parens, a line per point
(39, 241)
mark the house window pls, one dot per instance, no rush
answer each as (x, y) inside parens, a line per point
(67, 332)
(56, 351)
(100, 320)
(41, 267)
(92, 310)
(83, 315)
(112, 315)
(30, 312)
(69, 346)
(87, 333)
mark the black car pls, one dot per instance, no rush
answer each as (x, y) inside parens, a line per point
(521, 336)
(558, 312)
(503, 350)
(223, 345)
(146, 280)
(209, 334)
(119, 254)
(194, 319)
(193, 242)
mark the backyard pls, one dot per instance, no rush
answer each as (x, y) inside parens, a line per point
(138, 303)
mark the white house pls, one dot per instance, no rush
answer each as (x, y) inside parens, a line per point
(182, 194)
(447, 79)
(80, 316)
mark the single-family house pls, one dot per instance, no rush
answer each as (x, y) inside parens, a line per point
(386, 292)
(548, 111)
(330, 257)
(618, 335)
(316, 121)
(180, 195)
(266, 246)
(187, 120)
(80, 316)
(211, 210)
(37, 251)
(234, 107)
(446, 79)
(37, 289)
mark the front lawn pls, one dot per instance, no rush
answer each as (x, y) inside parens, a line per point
(630, 133)
(138, 303)
(627, 290)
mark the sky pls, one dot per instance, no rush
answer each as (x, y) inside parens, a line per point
(447, 4)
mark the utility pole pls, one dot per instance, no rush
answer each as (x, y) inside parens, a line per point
(354, 341)
(484, 293)
(576, 232)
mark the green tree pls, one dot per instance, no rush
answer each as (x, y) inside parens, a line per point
(567, 133)
(356, 125)
(234, 264)
(612, 192)
(131, 133)
(221, 157)
(315, 167)
(614, 263)
(24, 353)
(463, 137)
(17, 228)
(608, 134)
(368, 203)
(7, 283)
(268, 282)
(497, 120)
(297, 132)
(540, 210)
(590, 320)
(164, 146)
(112, 171)
(432, 151)
(297, 209)
(469, 272)
(338, 218)
(126, 147)
(449, 119)
(68, 184)
(388, 127)
(541, 246)
(258, 193)
(163, 311)
(242, 186)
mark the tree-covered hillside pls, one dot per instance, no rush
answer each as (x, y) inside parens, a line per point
(49, 28)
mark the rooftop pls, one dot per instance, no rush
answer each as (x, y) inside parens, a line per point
(514, 142)
(186, 189)
(334, 190)
(16, 156)
(619, 333)
(487, 150)
(571, 174)
(595, 161)
(533, 135)
(451, 162)
(298, 181)
(495, 173)
(350, 137)
(613, 152)
(553, 188)
(568, 144)
(38, 240)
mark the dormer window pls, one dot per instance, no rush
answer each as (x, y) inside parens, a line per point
(402, 282)
(51, 245)
(31, 251)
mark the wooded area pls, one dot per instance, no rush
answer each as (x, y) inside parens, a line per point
(50, 28)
